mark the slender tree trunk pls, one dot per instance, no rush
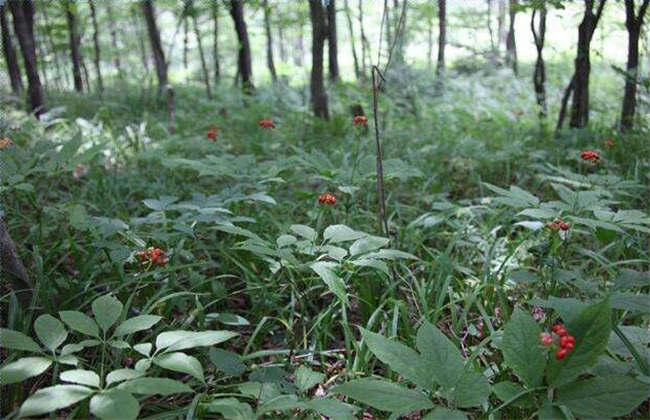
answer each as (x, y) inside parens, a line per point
(400, 30)
(633, 25)
(97, 59)
(355, 58)
(84, 71)
(580, 103)
(143, 47)
(113, 32)
(10, 54)
(511, 44)
(299, 54)
(23, 20)
(74, 48)
(319, 33)
(41, 60)
(156, 45)
(364, 44)
(61, 76)
(332, 42)
(388, 24)
(215, 43)
(430, 43)
(493, 45)
(539, 77)
(269, 41)
(244, 63)
(442, 42)
(283, 50)
(204, 63)
(502, 32)
(186, 37)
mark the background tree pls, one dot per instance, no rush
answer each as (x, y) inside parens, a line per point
(511, 44)
(317, 85)
(113, 32)
(580, 103)
(193, 12)
(10, 54)
(75, 38)
(215, 41)
(97, 57)
(244, 63)
(156, 45)
(442, 42)
(633, 24)
(332, 42)
(355, 58)
(539, 76)
(23, 19)
(269, 41)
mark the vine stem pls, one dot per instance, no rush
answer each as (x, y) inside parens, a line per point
(383, 221)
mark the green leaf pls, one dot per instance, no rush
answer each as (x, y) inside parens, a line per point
(180, 362)
(369, 262)
(304, 231)
(631, 302)
(333, 282)
(14, 340)
(81, 377)
(47, 400)
(442, 413)
(550, 412)
(138, 323)
(472, 389)
(306, 378)
(228, 362)
(120, 375)
(107, 309)
(445, 363)
(521, 348)
(143, 348)
(402, 359)
(603, 396)
(591, 329)
(281, 403)
(231, 408)
(115, 404)
(341, 233)
(507, 390)
(332, 408)
(384, 395)
(285, 240)
(24, 368)
(154, 386)
(181, 340)
(161, 204)
(367, 244)
(50, 331)
(80, 322)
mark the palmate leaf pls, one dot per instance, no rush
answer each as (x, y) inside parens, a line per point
(47, 400)
(384, 395)
(50, 331)
(181, 340)
(521, 349)
(16, 340)
(115, 404)
(107, 309)
(80, 322)
(24, 368)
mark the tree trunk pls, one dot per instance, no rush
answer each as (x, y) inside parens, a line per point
(186, 38)
(156, 45)
(319, 33)
(215, 43)
(442, 42)
(74, 47)
(111, 28)
(580, 102)
(511, 44)
(388, 24)
(143, 47)
(355, 58)
(633, 25)
(269, 41)
(493, 46)
(364, 41)
(502, 32)
(430, 43)
(204, 63)
(61, 76)
(283, 50)
(97, 58)
(244, 63)
(332, 42)
(299, 53)
(539, 77)
(23, 14)
(10, 54)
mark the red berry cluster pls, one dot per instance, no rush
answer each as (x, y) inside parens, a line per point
(360, 120)
(267, 123)
(590, 156)
(558, 224)
(212, 134)
(567, 341)
(327, 198)
(153, 256)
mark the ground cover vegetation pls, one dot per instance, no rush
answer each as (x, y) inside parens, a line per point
(193, 249)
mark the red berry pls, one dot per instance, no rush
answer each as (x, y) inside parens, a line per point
(556, 328)
(569, 346)
(561, 354)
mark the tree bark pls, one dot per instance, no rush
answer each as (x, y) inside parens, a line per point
(319, 33)
(502, 32)
(10, 54)
(143, 47)
(75, 55)
(633, 25)
(364, 41)
(442, 42)
(97, 58)
(23, 14)
(539, 76)
(156, 45)
(186, 38)
(244, 63)
(580, 102)
(113, 32)
(270, 63)
(355, 58)
(204, 63)
(215, 43)
(61, 76)
(511, 44)
(332, 42)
